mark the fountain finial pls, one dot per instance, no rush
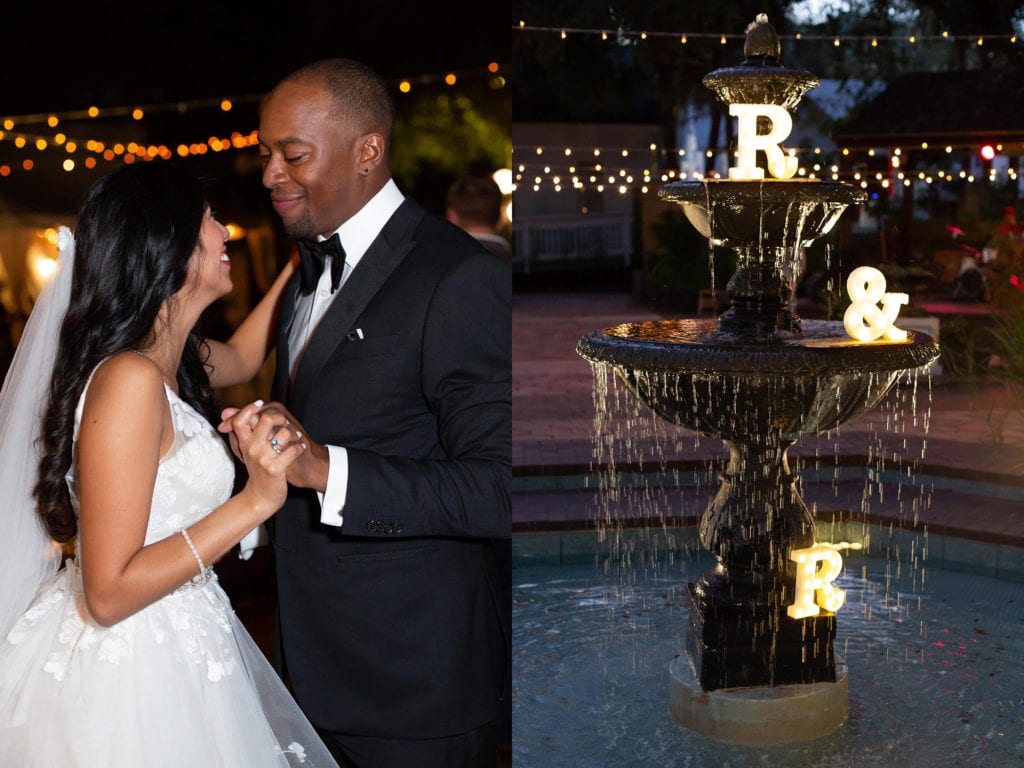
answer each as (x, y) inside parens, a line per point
(761, 46)
(761, 78)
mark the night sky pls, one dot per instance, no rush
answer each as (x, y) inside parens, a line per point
(118, 51)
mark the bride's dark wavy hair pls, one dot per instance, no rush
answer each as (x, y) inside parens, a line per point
(137, 230)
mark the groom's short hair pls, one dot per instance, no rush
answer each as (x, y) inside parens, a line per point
(359, 93)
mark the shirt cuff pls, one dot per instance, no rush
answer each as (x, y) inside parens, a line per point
(257, 537)
(332, 500)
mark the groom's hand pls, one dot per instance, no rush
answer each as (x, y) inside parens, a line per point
(226, 428)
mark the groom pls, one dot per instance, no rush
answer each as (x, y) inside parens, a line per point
(393, 625)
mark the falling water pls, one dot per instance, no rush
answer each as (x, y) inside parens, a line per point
(655, 477)
(640, 463)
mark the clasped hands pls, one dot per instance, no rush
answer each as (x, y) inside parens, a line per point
(309, 467)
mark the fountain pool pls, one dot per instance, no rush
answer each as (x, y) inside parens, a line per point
(936, 670)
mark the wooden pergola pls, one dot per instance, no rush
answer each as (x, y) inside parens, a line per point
(923, 113)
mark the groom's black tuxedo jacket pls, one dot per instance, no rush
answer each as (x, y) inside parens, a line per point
(393, 625)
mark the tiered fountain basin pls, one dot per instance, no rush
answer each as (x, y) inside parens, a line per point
(775, 213)
(694, 375)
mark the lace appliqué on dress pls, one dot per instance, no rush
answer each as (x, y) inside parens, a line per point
(195, 622)
(186, 420)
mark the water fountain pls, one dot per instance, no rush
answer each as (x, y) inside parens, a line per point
(758, 669)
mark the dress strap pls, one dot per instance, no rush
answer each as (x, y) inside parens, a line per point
(81, 399)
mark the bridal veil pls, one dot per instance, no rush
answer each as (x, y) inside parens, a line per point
(27, 554)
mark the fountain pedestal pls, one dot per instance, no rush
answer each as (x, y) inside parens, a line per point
(740, 635)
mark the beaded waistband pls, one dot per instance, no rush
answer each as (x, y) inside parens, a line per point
(201, 579)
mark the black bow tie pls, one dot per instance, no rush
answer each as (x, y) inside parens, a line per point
(312, 254)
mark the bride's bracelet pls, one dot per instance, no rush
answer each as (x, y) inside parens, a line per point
(203, 570)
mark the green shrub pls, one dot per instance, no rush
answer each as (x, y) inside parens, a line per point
(677, 270)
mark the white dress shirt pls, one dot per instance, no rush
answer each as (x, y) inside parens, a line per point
(356, 235)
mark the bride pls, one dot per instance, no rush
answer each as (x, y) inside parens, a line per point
(130, 653)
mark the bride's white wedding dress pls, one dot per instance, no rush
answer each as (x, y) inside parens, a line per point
(180, 683)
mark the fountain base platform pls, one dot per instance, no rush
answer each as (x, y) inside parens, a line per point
(758, 716)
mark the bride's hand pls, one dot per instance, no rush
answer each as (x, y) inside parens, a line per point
(312, 468)
(267, 445)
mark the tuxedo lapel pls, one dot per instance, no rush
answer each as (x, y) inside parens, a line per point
(286, 315)
(380, 260)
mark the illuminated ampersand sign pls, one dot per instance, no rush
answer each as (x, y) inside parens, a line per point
(814, 589)
(749, 141)
(865, 320)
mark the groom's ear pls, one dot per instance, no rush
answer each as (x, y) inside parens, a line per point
(372, 152)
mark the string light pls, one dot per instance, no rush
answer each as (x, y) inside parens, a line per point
(642, 171)
(836, 40)
(139, 113)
